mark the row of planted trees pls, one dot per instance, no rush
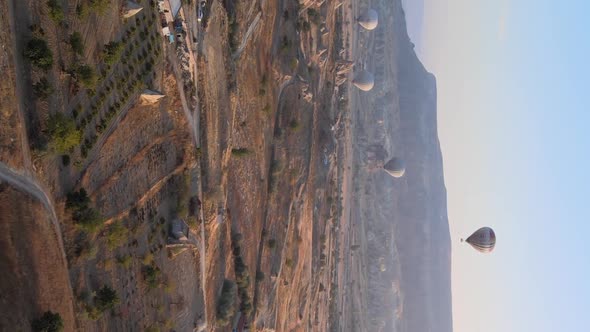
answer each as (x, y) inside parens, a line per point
(134, 55)
(128, 67)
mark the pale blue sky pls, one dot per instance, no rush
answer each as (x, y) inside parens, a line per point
(514, 121)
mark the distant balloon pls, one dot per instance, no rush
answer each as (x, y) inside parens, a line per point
(395, 167)
(364, 80)
(483, 240)
(369, 19)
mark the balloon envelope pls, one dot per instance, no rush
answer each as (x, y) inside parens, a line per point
(395, 167)
(483, 240)
(364, 80)
(369, 19)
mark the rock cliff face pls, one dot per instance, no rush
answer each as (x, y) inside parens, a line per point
(408, 240)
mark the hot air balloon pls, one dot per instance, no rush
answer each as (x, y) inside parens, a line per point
(395, 167)
(369, 19)
(364, 80)
(483, 240)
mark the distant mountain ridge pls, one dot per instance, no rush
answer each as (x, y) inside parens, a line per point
(414, 14)
(423, 230)
(406, 218)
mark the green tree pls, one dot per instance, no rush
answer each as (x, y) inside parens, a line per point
(56, 13)
(39, 53)
(89, 219)
(49, 322)
(84, 215)
(106, 298)
(117, 234)
(225, 305)
(63, 133)
(111, 52)
(77, 199)
(77, 43)
(240, 152)
(87, 76)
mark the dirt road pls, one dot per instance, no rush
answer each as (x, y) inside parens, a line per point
(247, 35)
(193, 120)
(31, 187)
(18, 13)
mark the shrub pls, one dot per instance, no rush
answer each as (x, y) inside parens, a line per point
(106, 298)
(125, 261)
(305, 26)
(111, 52)
(87, 76)
(36, 29)
(293, 63)
(117, 234)
(148, 259)
(289, 262)
(39, 53)
(89, 219)
(151, 275)
(225, 304)
(56, 13)
(63, 133)
(76, 43)
(237, 240)
(82, 11)
(86, 250)
(169, 287)
(314, 16)
(49, 322)
(242, 275)
(100, 6)
(93, 312)
(245, 303)
(240, 152)
(285, 44)
(272, 243)
(294, 125)
(43, 88)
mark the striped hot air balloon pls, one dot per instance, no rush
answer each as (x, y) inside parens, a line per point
(483, 240)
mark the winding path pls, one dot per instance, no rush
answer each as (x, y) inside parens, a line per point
(27, 185)
(30, 186)
(246, 37)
